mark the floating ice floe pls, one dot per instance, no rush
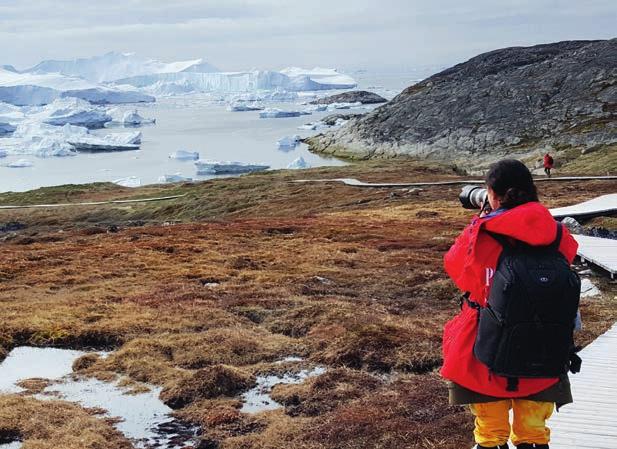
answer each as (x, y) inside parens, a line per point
(20, 163)
(298, 164)
(6, 128)
(109, 142)
(289, 142)
(588, 289)
(184, 155)
(129, 181)
(227, 167)
(278, 113)
(29, 89)
(43, 140)
(168, 179)
(133, 119)
(244, 107)
(73, 111)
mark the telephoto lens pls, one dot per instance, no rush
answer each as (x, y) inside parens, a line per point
(473, 197)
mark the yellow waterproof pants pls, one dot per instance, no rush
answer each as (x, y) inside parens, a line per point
(529, 424)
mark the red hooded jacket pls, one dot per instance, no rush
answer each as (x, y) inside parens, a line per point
(548, 161)
(471, 262)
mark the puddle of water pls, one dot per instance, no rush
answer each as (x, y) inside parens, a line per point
(26, 362)
(258, 399)
(13, 445)
(144, 418)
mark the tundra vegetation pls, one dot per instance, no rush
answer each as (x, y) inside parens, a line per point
(202, 294)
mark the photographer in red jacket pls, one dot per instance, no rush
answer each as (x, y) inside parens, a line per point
(471, 262)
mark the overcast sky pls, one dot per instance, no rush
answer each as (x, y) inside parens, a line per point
(270, 34)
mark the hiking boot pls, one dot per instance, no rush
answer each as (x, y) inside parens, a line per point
(532, 446)
(503, 446)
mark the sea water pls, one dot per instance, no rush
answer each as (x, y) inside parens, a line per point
(198, 122)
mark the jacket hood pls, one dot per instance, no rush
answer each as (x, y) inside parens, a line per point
(531, 223)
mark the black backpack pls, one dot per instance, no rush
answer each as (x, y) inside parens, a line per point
(527, 326)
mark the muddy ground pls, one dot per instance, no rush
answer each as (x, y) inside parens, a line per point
(201, 294)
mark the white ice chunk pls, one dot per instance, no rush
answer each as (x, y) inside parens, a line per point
(278, 113)
(130, 181)
(227, 167)
(20, 163)
(318, 79)
(132, 118)
(288, 141)
(244, 107)
(74, 111)
(166, 179)
(109, 142)
(298, 164)
(184, 155)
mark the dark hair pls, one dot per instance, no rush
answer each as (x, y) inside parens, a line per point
(511, 180)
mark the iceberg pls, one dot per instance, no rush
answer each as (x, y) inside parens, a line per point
(28, 89)
(318, 79)
(113, 66)
(244, 107)
(184, 155)
(132, 118)
(167, 179)
(298, 164)
(109, 142)
(42, 140)
(288, 141)
(74, 111)
(3, 153)
(280, 85)
(20, 163)
(6, 128)
(209, 167)
(130, 181)
(278, 113)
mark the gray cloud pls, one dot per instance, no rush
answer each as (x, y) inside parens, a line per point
(240, 34)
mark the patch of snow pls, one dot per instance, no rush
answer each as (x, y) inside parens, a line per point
(298, 164)
(13, 445)
(130, 181)
(258, 399)
(184, 155)
(227, 167)
(588, 289)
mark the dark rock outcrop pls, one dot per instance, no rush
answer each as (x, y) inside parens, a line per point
(357, 96)
(511, 101)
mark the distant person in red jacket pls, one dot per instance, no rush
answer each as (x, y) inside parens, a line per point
(548, 164)
(471, 263)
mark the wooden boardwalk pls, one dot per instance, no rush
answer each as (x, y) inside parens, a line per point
(602, 205)
(591, 421)
(600, 252)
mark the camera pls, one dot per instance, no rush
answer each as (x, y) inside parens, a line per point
(473, 197)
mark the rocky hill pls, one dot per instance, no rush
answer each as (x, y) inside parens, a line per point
(517, 101)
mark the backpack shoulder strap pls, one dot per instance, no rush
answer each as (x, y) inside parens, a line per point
(557, 241)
